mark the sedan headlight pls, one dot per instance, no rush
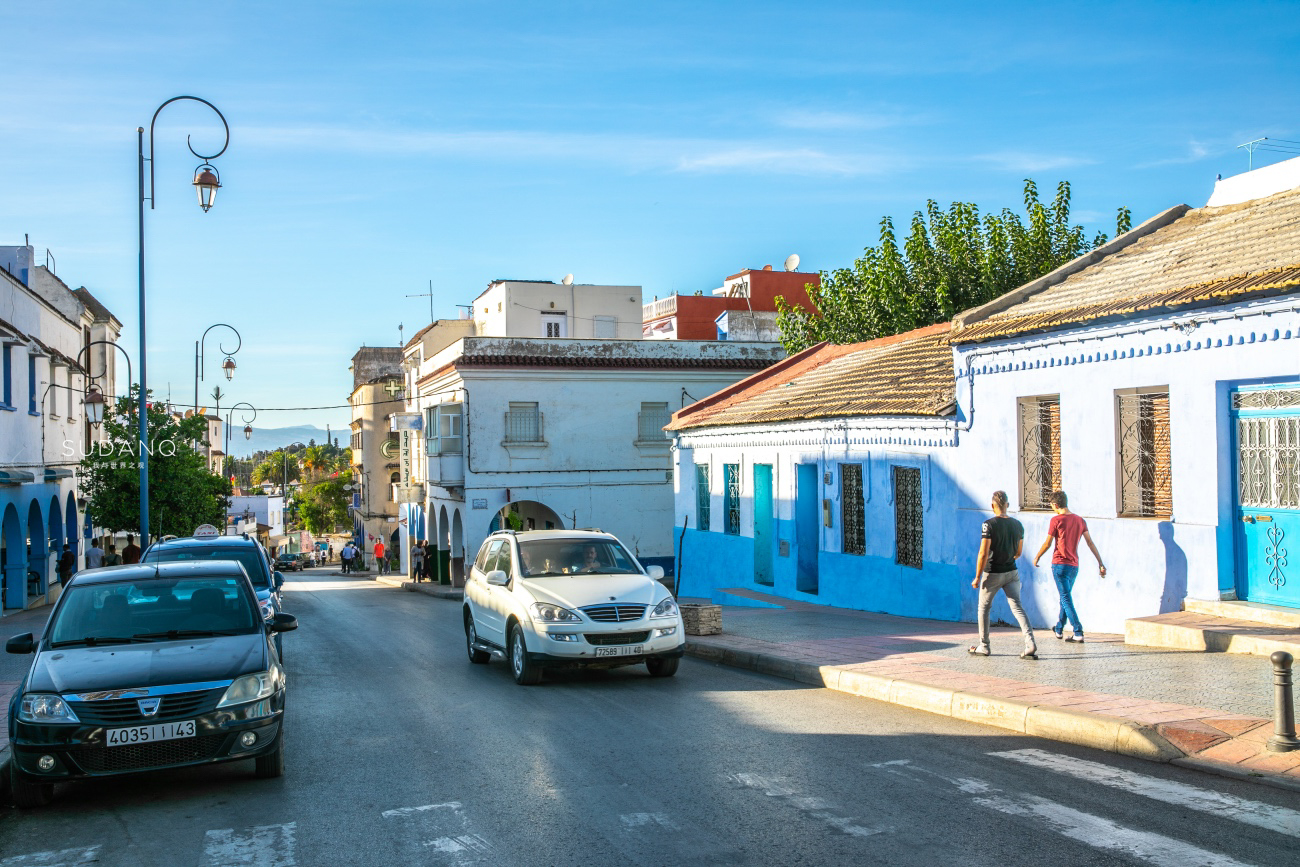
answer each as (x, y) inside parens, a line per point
(252, 687)
(545, 612)
(39, 708)
(667, 608)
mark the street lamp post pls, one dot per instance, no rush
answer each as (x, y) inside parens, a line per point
(94, 400)
(206, 183)
(248, 422)
(228, 365)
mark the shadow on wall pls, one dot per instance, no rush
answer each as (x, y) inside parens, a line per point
(1175, 585)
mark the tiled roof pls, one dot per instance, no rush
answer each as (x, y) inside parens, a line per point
(907, 374)
(1206, 256)
(97, 310)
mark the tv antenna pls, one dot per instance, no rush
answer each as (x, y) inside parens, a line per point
(1276, 145)
(429, 294)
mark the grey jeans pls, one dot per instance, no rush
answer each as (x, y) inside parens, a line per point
(1008, 583)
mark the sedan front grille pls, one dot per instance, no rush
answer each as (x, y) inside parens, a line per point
(138, 757)
(617, 637)
(126, 711)
(614, 613)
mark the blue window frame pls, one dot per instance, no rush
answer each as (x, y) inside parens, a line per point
(6, 371)
(31, 385)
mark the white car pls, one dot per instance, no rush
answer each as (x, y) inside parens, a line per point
(568, 598)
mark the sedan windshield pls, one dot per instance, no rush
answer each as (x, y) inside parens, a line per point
(244, 555)
(573, 556)
(152, 610)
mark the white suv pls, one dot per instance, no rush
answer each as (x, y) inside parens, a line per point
(568, 598)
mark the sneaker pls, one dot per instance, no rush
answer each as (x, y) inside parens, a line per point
(1059, 633)
(1030, 653)
(977, 650)
(1077, 638)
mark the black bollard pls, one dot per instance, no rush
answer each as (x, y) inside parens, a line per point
(1284, 739)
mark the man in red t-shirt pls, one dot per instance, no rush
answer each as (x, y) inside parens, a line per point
(1066, 528)
(381, 562)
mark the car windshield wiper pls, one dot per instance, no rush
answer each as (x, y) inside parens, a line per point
(95, 640)
(183, 633)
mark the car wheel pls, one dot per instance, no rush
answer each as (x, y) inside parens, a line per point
(662, 667)
(526, 673)
(476, 656)
(25, 793)
(271, 765)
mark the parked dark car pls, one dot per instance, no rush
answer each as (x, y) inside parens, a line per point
(288, 563)
(307, 560)
(247, 552)
(147, 667)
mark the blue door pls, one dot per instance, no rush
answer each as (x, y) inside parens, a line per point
(1267, 423)
(763, 524)
(807, 528)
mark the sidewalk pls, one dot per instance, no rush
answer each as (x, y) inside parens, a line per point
(1210, 711)
(12, 670)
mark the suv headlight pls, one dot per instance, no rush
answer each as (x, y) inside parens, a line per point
(252, 687)
(545, 612)
(267, 607)
(667, 608)
(41, 708)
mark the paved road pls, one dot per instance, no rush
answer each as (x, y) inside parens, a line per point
(401, 752)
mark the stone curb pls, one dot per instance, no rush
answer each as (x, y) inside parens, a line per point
(1098, 731)
(441, 591)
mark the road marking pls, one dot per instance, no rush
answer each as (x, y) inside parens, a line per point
(1102, 833)
(1260, 815)
(815, 808)
(56, 858)
(259, 846)
(413, 811)
(460, 844)
(644, 820)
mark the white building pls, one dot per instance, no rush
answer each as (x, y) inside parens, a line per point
(46, 336)
(265, 510)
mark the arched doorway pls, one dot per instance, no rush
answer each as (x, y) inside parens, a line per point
(57, 539)
(443, 563)
(526, 515)
(13, 559)
(72, 536)
(37, 572)
(457, 550)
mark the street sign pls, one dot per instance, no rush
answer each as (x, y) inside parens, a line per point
(205, 531)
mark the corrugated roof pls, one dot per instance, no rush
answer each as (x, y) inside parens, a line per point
(907, 374)
(1206, 256)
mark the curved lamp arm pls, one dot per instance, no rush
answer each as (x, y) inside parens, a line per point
(205, 157)
(90, 377)
(239, 342)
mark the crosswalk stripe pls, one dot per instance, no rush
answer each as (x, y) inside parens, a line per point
(415, 811)
(814, 808)
(54, 858)
(1102, 833)
(1261, 815)
(460, 846)
(259, 846)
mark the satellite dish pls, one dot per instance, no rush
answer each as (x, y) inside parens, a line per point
(792, 262)
(568, 280)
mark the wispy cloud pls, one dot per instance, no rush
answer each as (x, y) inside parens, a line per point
(1021, 161)
(834, 121)
(794, 161)
(1196, 151)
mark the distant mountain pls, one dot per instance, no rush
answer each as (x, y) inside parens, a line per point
(271, 438)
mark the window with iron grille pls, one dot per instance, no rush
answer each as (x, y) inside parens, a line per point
(523, 423)
(909, 537)
(1040, 450)
(731, 477)
(650, 422)
(853, 509)
(702, 496)
(1145, 479)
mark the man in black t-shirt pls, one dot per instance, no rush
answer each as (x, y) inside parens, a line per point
(1001, 540)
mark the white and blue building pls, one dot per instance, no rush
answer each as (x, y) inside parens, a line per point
(1156, 380)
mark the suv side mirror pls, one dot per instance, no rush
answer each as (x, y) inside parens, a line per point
(497, 577)
(284, 622)
(655, 572)
(20, 644)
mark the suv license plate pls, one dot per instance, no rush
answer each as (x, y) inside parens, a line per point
(629, 650)
(148, 734)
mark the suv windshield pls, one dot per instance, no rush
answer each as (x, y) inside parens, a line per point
(245, 555)
(571, 556)
(152, 610)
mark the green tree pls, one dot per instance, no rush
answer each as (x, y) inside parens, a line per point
(951, 260)
(183, 493)
(324, 506)
(273, 468)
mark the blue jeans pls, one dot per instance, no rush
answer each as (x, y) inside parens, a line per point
(1064, 576)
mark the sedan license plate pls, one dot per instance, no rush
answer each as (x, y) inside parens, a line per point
(148, 734)
(627, 650)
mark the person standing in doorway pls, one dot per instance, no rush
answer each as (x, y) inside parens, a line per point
(1066, 528)
(380, 560)
(1001, 540)
(94, 556)
(131, 553)
(430, 562)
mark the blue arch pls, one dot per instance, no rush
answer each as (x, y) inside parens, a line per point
(37, 553)
(13, 558)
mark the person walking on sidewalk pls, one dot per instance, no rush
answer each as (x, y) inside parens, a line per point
(346, 557)
(1001, 541)
(94, 555)
(380, 560)
(1066, 528)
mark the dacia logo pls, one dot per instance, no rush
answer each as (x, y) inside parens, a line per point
(149, 706)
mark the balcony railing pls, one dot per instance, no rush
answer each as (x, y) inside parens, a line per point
(523, 426)
(659, 309)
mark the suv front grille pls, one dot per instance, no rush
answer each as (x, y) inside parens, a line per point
(159, 754)
(614, 613)
(126, 711)
(617, 637)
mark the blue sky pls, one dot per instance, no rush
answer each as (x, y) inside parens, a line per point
(378, 146)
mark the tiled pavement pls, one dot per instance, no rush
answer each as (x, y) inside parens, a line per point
(12, 666)
(1209, 710)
